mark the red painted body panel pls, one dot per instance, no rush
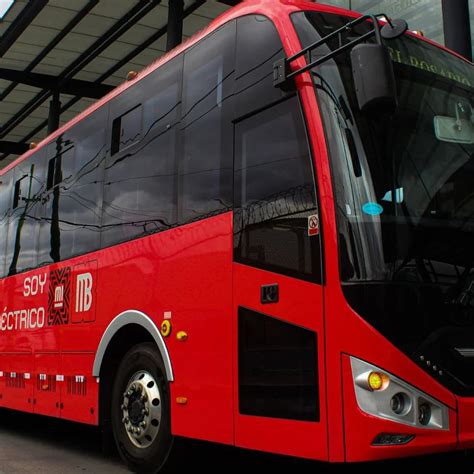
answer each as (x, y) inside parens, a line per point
(17, 387)
(47, 391)
(189, 272)
(466, 423)
(79, 391)
(301, 304)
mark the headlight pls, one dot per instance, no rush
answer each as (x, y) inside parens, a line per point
(381, 394)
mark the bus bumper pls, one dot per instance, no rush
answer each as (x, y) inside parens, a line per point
(466, 423)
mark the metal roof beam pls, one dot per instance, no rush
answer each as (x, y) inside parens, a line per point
(146, 44)
(54, 116)
(152, 39)
(19, 25)
(45, 81)
(457, 29)
(137, 12)
(175, 24)
(134, 15)
(13, 148)
(231, 3)
(54, 42)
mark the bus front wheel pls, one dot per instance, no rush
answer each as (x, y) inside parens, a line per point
(140, 410)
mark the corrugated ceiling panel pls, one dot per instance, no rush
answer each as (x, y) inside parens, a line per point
(113, 8)
(14, 11)
(50, 22)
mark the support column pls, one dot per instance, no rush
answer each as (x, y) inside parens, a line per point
(54, 113)
(175, 24)
(457, 30)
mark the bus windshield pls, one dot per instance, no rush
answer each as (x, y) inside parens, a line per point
(404, 193)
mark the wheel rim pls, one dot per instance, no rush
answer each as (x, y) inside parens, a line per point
(141, 409)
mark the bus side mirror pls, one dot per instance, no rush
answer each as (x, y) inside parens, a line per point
(374, 79)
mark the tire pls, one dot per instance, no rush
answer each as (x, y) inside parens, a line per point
(140, 410)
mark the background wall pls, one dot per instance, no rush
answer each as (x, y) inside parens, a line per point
(424, 15)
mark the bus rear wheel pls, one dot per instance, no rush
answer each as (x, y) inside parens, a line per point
(140, 410)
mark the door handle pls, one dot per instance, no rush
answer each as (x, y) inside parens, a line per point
(269, 294)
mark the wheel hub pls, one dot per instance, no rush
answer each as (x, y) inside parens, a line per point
(136, 411)
(141, 409)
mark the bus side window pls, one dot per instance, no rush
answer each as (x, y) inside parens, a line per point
(140, 185)
(80, 199)
(274, 188)
(23, 229)
(5, 209)
(126, 129)
(206, 164)
(275, 197)
(258, 47)
(59, 169)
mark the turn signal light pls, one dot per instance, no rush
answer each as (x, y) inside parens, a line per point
(377, 381)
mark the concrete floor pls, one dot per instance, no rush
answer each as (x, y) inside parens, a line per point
(31, 444)
(39, 444)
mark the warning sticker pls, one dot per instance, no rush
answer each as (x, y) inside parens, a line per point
(313, 225)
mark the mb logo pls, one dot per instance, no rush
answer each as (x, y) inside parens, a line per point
(83, 292)
(59, 293)
(71, 294)
(59, 296)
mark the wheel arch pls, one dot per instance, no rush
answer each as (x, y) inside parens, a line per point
(132, 318)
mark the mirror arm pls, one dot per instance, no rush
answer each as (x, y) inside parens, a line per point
(330, 55)
(282, 72)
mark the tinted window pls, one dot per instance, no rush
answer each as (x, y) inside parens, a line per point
(85, 189)
(206, 168)
(5, 205)
(140, 190)
(275, 194)
(23, 230)
(258, 47)
(80, 195)
(60, 159)
(127, 129)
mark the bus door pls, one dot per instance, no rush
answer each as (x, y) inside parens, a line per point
(278, 300)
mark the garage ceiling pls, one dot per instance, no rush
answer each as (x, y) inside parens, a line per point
(89, 40)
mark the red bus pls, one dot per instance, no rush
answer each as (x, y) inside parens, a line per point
(264, 240)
